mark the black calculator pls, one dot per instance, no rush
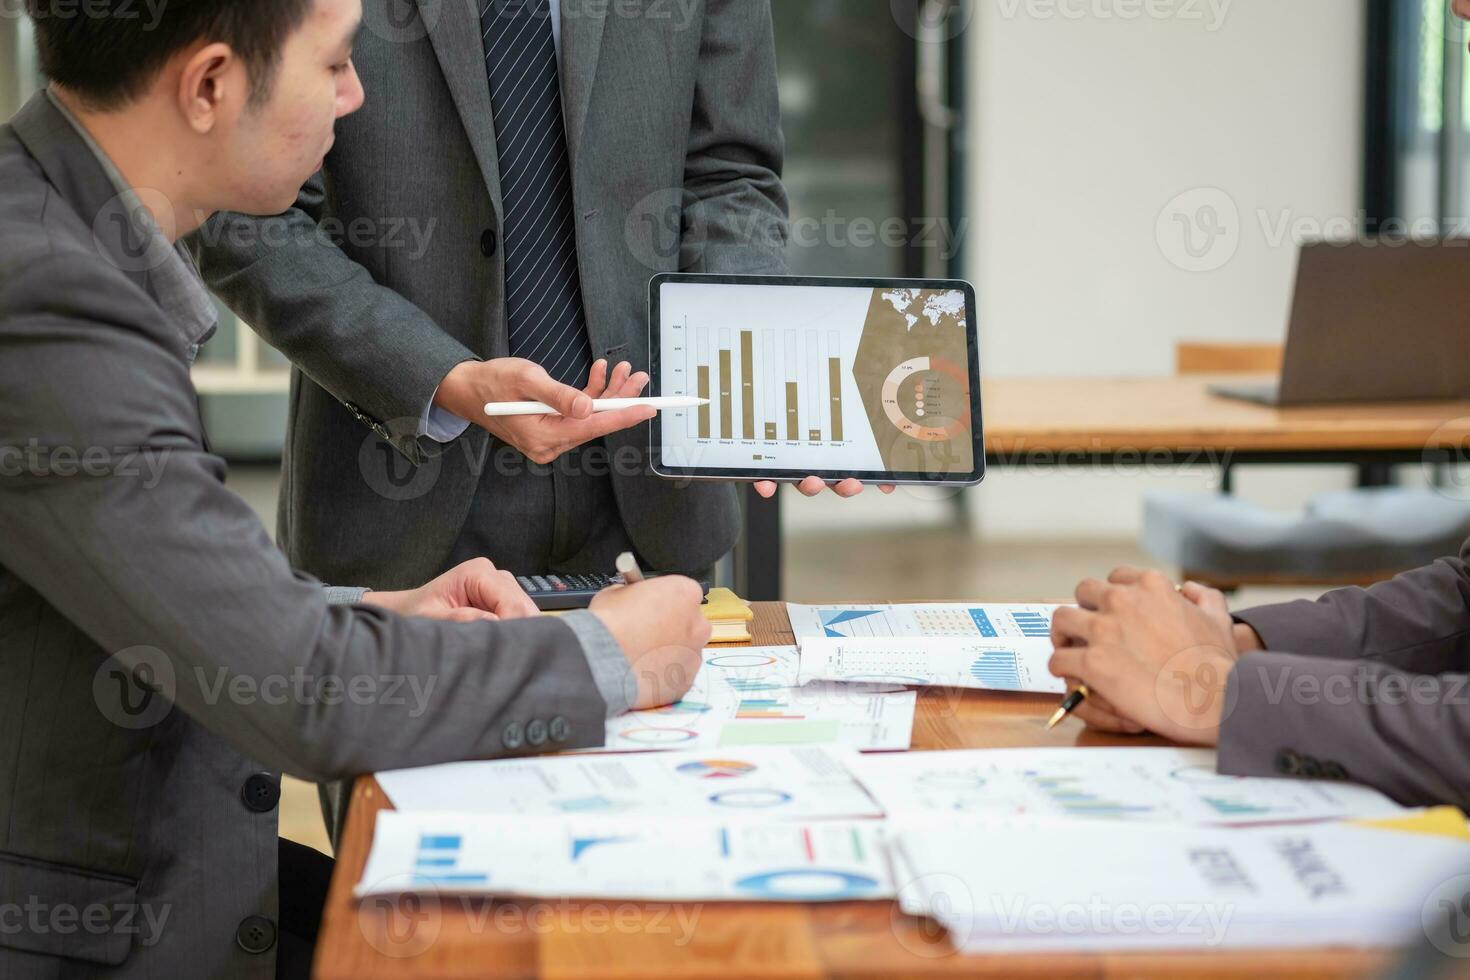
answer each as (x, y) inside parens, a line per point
(553, 593)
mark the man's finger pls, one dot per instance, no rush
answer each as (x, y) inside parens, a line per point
(811, 486)
(618, 379)
(886, 488)
(1099, 703)
(467, 614)
(1097, 712)
(765, 488)
(1212, 601)
(1095, 717)
(1126, 575)
(606, 423)
(1091, 591)
(567, 400)
(848, 488)
(632, 388)
(596, 380)
(1070, 662)
(514, 603)
(1071, 626)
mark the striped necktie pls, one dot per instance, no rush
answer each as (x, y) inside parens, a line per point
(543, 292)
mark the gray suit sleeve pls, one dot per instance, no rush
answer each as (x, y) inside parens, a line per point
(1401, 733)
(736, 204)
(610, 668)
(376, 352)
(162, 564)
(1418, 622)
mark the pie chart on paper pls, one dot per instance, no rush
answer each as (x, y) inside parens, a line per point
(716, 768)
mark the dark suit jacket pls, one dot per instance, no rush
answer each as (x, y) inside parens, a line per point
(151, 636)
(674, 131)
(1369, 685)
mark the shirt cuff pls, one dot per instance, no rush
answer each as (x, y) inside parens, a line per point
(440, 425)
(341, 596)
(611, 671)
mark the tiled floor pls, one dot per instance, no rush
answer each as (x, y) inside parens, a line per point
(935, 563)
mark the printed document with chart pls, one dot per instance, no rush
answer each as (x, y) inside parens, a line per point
(619, 857)
(748, 696)
(1143, 784)
(979, 645)
(1136, 887)
(801, 783)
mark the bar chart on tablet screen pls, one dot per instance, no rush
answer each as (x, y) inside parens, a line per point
(855, 379)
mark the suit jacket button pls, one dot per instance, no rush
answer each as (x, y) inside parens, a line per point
(256, 934)
(512, 737)
(1288, 763)
(561, 729)
(536, 732)
(261, 792)
(488, 244)
(1311, 768)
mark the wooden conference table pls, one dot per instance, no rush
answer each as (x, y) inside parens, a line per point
(1068, 424)
(470, 938)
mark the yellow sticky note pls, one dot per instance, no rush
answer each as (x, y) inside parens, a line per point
(1440, 821)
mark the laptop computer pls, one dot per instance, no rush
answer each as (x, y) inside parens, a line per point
(1374, 321)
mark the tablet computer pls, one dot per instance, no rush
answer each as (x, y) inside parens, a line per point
(877, 379)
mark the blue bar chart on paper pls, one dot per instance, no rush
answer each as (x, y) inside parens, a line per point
(985, 620)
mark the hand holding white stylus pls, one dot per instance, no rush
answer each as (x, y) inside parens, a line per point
(509, 409)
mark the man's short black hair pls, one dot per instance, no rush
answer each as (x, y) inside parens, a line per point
(109, 51)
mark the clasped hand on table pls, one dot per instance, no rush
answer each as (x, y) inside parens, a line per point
(1154, 657)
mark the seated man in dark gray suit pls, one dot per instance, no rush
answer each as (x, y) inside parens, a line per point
(1371, 685)
(162, 662)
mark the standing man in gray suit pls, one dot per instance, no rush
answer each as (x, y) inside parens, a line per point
(553, 155)
(162, 662)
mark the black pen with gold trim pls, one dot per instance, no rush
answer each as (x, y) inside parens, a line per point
(1069, 705)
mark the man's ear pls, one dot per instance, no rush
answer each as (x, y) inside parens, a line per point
(211, 85)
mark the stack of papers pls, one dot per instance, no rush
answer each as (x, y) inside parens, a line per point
(1013, 887)
(751, 696)
(985, 646)
(771, 783)
(1153, 785)
(614, 858)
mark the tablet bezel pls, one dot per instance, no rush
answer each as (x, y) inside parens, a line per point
(972, 343)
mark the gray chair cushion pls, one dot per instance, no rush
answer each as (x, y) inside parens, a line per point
(1342, 533)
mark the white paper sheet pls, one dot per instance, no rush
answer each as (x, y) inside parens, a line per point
(804, 783)
(988, 665)
(623, 858)
(748, 696)
(1031, 887)
(1145, 784)
(1021, 624)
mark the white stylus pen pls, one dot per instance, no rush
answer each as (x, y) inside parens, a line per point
(627, 567)
(503, 409)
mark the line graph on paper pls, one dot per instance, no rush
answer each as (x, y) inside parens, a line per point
(994, 665)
